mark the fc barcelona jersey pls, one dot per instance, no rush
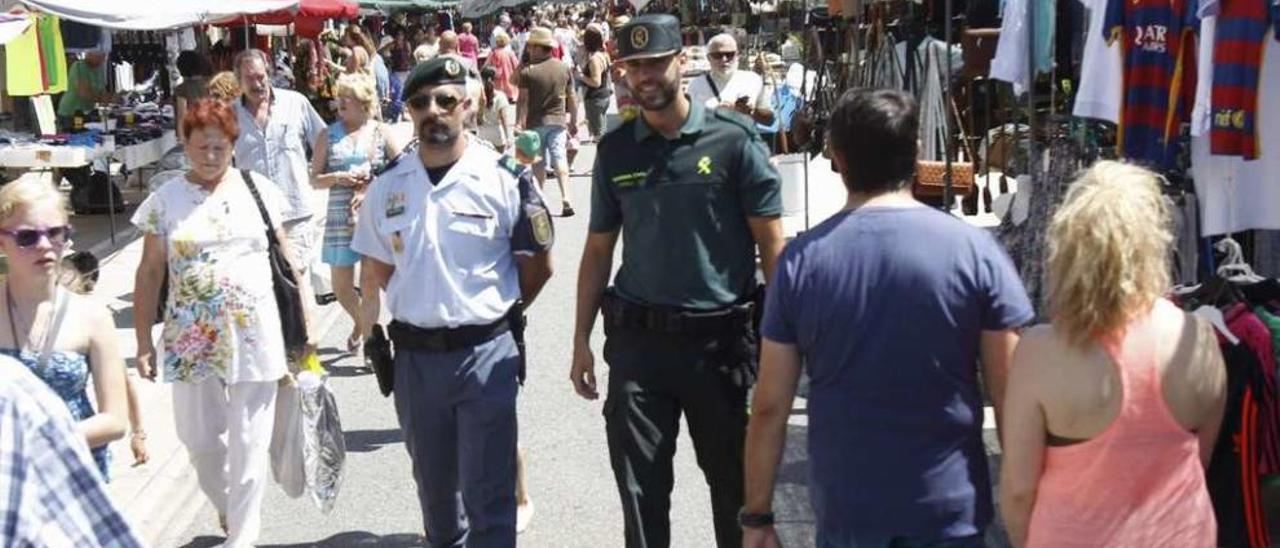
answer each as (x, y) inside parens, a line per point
(1157, 41)
(1237, 64)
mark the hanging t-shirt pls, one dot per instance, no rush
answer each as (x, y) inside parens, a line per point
(1237, 195)
(1010, 62)
(35, 61)
(1101, 72)
(1158, 62)
(1237, 55)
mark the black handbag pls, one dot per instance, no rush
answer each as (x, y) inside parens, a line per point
(283, 282)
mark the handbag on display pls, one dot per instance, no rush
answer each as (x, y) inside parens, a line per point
(931, 174)
(283, 282)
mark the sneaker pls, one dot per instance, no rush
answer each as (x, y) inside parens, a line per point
(524, 514)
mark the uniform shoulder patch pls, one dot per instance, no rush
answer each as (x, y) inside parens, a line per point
(511, 166)
(736, 118)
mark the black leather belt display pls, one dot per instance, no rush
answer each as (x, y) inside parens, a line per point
(417, 339)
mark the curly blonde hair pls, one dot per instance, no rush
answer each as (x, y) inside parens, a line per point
(1109, 247)
(224, 86)
(361, 87)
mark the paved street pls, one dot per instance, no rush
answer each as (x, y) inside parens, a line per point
(569, 478)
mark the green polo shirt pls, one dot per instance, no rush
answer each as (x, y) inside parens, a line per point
(682, 205)
(71, 100)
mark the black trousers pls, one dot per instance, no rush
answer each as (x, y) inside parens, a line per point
(653, 378)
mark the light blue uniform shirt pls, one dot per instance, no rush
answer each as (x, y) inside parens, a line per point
(452, 242)
(279, 151)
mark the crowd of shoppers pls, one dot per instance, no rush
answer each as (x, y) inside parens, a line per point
(1120, 375)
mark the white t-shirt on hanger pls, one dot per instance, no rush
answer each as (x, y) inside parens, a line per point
(1102, 70)
(1236, 195)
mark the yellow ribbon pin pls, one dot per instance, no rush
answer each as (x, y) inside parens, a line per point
(704, 165)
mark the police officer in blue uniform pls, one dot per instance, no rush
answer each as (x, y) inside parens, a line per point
(693, 195)
(459, 238)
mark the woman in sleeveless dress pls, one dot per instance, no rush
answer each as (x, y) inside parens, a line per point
(346, 157)
(1112, 411)
(64, 338)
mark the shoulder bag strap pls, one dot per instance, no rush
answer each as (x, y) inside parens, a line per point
(714, 88)
(266, 219)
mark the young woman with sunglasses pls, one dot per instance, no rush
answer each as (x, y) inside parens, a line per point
(63, 337)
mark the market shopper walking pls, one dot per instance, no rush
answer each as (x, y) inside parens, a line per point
(346, 157)
(547, 104)
(1114, 409)
(276, 126)
(223, 344)
(66, 339)
(597, 83)
(726, 86)
(695, 196)
(890, 305)
(458, 237)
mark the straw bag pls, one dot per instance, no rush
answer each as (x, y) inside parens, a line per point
(931, 174)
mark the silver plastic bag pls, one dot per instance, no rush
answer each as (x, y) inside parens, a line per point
(324, 448)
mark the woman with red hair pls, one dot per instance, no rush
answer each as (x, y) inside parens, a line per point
(223, 346)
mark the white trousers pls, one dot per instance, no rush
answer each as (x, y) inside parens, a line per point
(227, 433)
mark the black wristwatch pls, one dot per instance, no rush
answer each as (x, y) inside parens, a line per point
(754, 521)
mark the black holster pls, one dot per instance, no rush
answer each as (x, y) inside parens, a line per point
(377, 349)
(518, 322)
(734, 327)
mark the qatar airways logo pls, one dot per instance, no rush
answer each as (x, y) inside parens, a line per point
(1151, 38)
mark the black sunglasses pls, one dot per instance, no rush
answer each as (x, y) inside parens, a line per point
(27, 237)
(723, 55)
(444, 101)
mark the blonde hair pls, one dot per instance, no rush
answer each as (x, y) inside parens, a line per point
(500, 38)
(29, 191)
(224, 86)
(1109, 247)
(360, 86)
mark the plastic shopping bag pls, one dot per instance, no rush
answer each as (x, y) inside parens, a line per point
(287, 462)
(324, 448)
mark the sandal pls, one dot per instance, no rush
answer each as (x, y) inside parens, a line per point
(566, 210)
(354, 342)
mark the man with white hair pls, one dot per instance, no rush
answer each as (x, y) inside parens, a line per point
(727, 87)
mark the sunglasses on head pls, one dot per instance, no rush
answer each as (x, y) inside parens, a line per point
(27, 237)
(442, 100)
(723, 55)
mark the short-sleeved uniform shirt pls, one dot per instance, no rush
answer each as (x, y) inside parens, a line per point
(886, 305)
(682, 205)
(453, 242)
(279, 151)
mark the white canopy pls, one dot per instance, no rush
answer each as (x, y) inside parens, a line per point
(156, 14)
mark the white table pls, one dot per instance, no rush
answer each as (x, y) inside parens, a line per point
(145, 153)
(41, 156)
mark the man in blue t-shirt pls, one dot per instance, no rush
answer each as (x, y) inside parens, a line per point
(891, 305)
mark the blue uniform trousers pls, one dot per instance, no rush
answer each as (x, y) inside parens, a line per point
(458, 414)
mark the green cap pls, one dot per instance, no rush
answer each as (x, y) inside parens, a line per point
(649, 35)
(435, 72)
(529, 145)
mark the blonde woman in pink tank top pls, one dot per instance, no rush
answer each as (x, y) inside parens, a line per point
(1112, 411)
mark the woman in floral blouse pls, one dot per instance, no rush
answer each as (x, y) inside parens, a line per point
(222, 345)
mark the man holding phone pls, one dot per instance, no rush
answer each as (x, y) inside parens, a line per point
(727, 87)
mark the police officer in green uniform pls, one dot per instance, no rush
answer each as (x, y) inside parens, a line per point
(694, 196)
(458, 236)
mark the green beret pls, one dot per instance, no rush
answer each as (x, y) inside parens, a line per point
(649, 35)
(439, 71)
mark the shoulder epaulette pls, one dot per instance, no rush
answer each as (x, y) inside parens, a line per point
(390, 165)
(509, 163)
(736, 118)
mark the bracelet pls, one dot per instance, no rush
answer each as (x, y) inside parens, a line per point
(140, 434)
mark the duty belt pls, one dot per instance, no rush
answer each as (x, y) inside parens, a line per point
(621, 313)
(441, 340)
